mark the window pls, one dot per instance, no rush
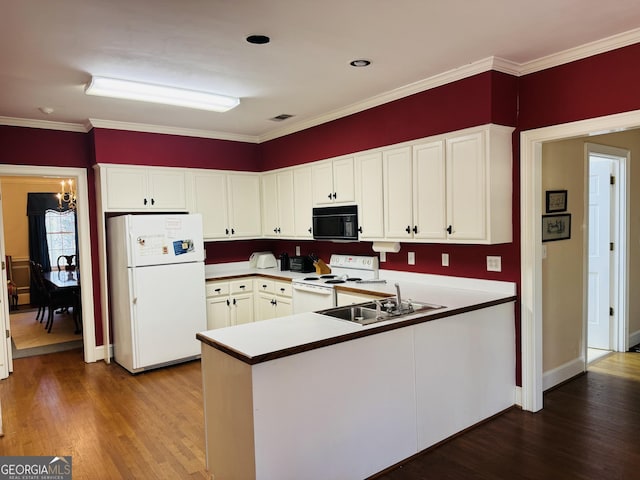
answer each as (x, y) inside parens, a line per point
(61, 235)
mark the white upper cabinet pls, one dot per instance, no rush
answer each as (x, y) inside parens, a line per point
(333, 181)
(135, 188)
(244, 205)
(229, 203)
(369, 195)
(278, 204)
(302, 202)
(455, 188)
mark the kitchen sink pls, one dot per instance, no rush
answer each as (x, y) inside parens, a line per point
(373, 312)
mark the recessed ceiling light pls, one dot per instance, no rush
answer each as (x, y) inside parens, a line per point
(144, 92)
(281, 117)
(361, 62)
(258, 39)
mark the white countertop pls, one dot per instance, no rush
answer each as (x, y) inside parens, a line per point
(263, 338)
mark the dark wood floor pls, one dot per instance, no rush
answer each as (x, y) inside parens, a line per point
(589, 429)
(116, 425)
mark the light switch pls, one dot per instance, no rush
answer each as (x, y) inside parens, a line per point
(445, 259)
(298, 250)
(494, 264)
(411, 258)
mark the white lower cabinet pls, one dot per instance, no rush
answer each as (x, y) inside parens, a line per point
(272, 299)
(229, 302)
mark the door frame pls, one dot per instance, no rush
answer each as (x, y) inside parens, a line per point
(84, 249)
(531, 238)
(620, 238)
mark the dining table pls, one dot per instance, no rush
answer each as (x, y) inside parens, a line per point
(68, 280)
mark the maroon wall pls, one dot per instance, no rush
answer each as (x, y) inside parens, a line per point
(596, 86)
(139, 148)
(477, 100)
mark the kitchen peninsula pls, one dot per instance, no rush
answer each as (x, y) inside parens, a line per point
(315, 397)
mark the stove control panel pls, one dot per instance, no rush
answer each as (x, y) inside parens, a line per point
(354, 261)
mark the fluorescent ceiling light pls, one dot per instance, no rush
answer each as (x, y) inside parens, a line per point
(144, 92)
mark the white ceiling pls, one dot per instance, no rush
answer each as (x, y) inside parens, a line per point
(50, 49)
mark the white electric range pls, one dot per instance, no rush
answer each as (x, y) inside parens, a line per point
(316, 292)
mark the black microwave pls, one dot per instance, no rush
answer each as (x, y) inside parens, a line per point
(336, 223)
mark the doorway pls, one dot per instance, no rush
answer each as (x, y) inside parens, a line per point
(606, 249)
(79, 175)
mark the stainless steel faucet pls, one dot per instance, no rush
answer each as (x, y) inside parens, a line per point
(398, 297)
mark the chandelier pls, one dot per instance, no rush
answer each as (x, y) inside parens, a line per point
(67, 194)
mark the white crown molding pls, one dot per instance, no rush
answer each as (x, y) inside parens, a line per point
(583, 51)
(450, 76)
(183, 132)
(45, 124)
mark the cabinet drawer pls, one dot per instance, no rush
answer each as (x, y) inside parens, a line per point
(283, 288)
(241, 286)
(264, 285)
(216, 289)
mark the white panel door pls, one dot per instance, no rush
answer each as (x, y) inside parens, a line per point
(244, 206)
(429, 197)
(218, 312)
(322, 173)
(210, 198)
(398, 195)
(343, 180)
(466, 187)
(167, 189)
(598, 319)
(270, 205)
(369, 194)
(127, 188)
(302, 202)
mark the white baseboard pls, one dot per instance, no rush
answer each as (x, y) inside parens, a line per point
(100, 352)
(562, 373)
(634, 338)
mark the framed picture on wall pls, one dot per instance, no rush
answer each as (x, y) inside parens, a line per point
(556, 227)
(556, 201)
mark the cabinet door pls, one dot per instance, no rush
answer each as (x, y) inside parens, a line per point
(126, 188)
(285, 204)
(210, 200)
(429, 196)
(466, 187)
(322, 174)
(265, 309)
(302, 202)
(369, 188)
(244, 205)
(270, 205)
(283, 307)
(398, 195)
(167, 189)
(343, 180)
(242, 306)
(218, 312)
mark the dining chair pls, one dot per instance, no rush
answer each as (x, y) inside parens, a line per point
(39, 296)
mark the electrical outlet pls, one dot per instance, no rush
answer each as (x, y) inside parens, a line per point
(383, 256)
(494, 264)
(298, 250)
(411, 258)
(445, 259)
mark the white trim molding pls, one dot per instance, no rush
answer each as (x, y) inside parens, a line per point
(531, 238)
(563, 373)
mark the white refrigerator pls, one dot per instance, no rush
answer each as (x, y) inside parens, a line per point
(156, 289)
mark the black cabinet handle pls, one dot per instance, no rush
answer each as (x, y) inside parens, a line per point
(449, 229)
(234, 301)
(243, 286)
(275, 230)
(264, 286)
(282, 290)
(329, 196)
(309, 229)
(415, 229)
(278, 230)
(145, 201)
(226, 231)
(334, 195)
(228, 302)
(273, 302)
(218, 290)
(360, 229)
(233, 232)
(153, 202)
(408, 229)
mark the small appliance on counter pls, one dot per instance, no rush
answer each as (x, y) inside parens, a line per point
(284, 262)
(262, 260)
(302, 264)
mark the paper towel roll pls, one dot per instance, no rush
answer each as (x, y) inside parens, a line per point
(391, 247)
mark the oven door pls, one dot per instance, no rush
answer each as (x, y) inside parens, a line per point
(311, 298)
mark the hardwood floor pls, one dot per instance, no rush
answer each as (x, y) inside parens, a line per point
(113, 424)
(151, 425)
